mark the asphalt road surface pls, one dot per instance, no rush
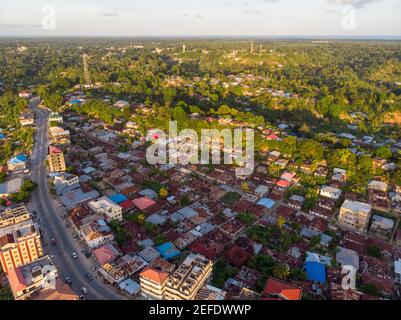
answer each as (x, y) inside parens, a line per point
(53, 226)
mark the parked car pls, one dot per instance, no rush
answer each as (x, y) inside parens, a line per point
(75, 255)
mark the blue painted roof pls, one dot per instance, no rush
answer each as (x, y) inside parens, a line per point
(75, 101)
(21, 157)
(2, 136)
(168, 250)
(315, 271)
(118, 198)
(266, 202)
(18, 159)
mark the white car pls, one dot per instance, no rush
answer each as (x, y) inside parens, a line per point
(75, 255)
(84, 290)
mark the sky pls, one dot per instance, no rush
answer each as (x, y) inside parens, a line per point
(200, 18)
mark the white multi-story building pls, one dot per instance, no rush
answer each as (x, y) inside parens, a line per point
(29, 279)
(355, 215)
(109, 209)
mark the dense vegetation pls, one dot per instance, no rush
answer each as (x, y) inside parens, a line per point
(321, 89)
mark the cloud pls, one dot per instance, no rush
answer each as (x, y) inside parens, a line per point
(198, 15)
(251, 12)
(107, 14)
(356, 3)
(19, 25)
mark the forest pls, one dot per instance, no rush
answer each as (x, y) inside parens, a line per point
(318, 89)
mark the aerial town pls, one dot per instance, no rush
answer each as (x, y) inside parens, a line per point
(85, 216)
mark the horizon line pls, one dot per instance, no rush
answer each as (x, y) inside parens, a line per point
(250, 37)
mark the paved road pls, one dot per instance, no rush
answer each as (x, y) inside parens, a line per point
(53, 226)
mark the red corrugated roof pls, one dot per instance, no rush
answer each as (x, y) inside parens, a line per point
(154, 275)
(237, 256)
(104, 254)
(283, 183)
(53, 150)
(127, 204)
(284, 289)
(143, 203)
(16, 280)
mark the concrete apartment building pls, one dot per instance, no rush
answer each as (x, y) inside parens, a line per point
(55, 117)
(188, 279)
(109, 209)
(56, 160)
(153, 283)
(59, 135)
(13, 216)
(355, 215)
(19, 245)
(27, 119)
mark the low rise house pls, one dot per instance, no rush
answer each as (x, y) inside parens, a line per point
(382, 226)
(143, 203)
(105, 254)
(168, 251)
(261, 190)
(273, 156)
(330, 192)
(377, 273)
(80, 216)
(27, 119)
(237, 256)
(122, 268)
(322, 171)
(60, 292)
(210, 293)
(17, 163)
(339, 175)
(130, 286)
(11, 187)
(77, 197)
(378, 185)
(276, 289)
(315, 272)
(13, 216)
(149, 254)
(347, 257)
(396, 202)
(96, 233)
(25, 94)
(65, 182)
(296, 202)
